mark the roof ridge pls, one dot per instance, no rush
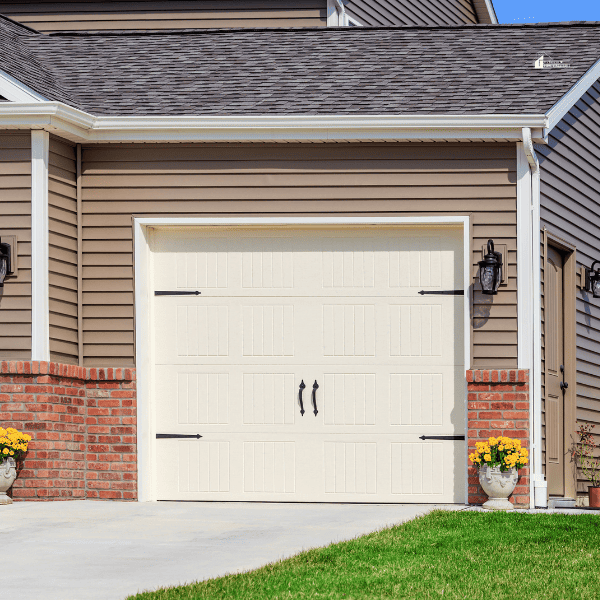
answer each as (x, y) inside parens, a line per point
(206, 31)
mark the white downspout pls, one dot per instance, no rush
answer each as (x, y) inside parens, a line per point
(540, 486)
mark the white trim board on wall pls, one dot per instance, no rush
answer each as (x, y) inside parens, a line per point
(40, 302)
(143, 306)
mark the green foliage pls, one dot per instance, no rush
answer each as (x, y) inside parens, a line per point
(449, 555)
(584, 452)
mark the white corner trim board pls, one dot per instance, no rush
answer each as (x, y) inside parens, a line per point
(564, 105)
(143, 230)
(81, 126)
(15, 91)
(40, 303)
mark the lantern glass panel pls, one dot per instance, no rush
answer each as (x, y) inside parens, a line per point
(488, 278)
(3, 268)
(596, 286)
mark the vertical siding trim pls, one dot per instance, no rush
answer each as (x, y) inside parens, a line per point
(79, 259)
(524, 243)
(538, 484)
(40, 251)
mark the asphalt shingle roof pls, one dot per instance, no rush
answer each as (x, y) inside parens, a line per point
(474, 69)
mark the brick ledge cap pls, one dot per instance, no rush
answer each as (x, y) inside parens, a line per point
(34, 367)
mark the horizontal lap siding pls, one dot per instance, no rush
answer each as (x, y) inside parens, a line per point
(121, 181)
(15, 219)
(62, 213)
(139, 14)
(570, 169)
(412, 12)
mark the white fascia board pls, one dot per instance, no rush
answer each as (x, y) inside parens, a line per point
(40, 303)
(55, 116)
(564, 105)
(492, 12)
(15, 91)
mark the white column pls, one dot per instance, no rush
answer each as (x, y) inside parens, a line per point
(40, 302)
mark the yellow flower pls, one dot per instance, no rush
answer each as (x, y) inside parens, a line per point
(488, 457)
(5, 451)
(500, 447)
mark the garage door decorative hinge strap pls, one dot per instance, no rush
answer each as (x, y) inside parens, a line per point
(442, 437)
(194, 293)
(445, 292)
(163, 436)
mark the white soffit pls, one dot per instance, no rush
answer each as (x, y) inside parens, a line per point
(564, 105)
(15, 91)
(77, 125)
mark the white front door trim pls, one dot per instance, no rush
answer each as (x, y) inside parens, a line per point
(143, 318)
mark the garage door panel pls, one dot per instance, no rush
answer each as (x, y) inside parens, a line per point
(340, 307)
(343, 469)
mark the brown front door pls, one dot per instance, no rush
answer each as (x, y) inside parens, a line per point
(554, 409)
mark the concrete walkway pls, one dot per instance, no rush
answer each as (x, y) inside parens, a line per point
(86, 550)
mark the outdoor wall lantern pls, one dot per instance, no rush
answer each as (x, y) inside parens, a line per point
(5, 262)
(592, 280)
(490, 270)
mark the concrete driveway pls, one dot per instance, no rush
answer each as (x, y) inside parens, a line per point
(87, 550)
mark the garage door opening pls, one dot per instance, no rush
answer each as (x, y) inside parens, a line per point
(309, 363)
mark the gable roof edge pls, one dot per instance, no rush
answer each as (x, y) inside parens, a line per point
(564, 104)
(15, 91)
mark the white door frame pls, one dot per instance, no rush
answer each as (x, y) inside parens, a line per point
(143, 306)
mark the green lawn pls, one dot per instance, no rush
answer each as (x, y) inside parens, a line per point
(463, 555)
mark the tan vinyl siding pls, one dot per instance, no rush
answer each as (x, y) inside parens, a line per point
(62, 213)
(421, 179)
(411, 12)
(570, 199)
(15, 219)
(140, 14)
(543, 251)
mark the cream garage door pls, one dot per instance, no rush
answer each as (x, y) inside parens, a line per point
(335, 308)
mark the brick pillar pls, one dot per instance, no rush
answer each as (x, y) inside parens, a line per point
(498, 404)
(82, 422)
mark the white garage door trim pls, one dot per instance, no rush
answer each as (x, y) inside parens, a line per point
(145, 428)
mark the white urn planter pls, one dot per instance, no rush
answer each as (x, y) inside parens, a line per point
(498, 485)
(8, 474)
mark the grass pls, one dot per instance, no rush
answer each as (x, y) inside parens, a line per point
(462, 555)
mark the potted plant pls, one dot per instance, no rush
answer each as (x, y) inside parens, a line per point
(13, 445)
(498, 462)
(583, 452)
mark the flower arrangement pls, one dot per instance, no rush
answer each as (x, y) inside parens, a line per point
(502, 452)
(13, 443)
(584, 451)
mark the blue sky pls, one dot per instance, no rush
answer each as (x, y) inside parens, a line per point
(543, 11)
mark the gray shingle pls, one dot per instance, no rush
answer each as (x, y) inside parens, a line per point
(405, 70)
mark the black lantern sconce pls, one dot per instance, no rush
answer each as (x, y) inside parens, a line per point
(490, 270)
(592, 280)
(5, 262)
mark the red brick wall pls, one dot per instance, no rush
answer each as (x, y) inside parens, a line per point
(83, 425)
(498, 404)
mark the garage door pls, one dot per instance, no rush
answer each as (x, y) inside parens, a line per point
(336, 314)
